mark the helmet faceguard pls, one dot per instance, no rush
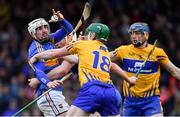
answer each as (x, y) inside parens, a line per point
(101, 30)
(33, 25)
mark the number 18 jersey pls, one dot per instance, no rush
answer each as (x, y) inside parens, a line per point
(94, 60)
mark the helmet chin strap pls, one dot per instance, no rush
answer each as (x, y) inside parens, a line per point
(139, 43)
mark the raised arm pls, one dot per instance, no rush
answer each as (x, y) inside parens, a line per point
(65, 27)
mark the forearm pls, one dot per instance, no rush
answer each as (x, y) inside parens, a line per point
(171, 68)
(66, 25)
(41, 76)
(60, 71)
(71, 58)
(57, 72)
(116, 69)
(65, 29)
(49, 54)
(176, 73)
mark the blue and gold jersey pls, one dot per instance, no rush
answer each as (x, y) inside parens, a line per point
(44, 66)
(132, 58)
(94, 60)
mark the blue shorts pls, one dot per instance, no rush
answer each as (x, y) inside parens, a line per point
(96, 96)
(147, 106)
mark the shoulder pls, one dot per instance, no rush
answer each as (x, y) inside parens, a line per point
(32, 46)
(123, 47)
(32, 49)
(158, 50)
(80, 42)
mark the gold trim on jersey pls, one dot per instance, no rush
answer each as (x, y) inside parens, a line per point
(154, 90)
(68, 47)
(92, 77)
(50, 62)
(39, 48)
(53, 40)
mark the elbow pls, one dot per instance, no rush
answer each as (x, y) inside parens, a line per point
(175, 73)
(113, 67)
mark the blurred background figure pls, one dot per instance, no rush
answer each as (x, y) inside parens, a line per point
(161, 15)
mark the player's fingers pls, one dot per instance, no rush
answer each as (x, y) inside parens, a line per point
(54, 83)
(53, 11)
(50, 21)
(58, 12)
(52, 86)
(60, 82)
(57, 83)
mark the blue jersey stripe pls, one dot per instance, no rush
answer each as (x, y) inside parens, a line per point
(132, 66)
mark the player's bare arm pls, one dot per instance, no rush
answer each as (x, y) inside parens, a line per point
(60, 71)
(55, 73)
(116, 69)
(49, 54)
(71, 58)
(171, 68)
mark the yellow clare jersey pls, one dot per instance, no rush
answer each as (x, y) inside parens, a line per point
(132, 58)
(94, 60)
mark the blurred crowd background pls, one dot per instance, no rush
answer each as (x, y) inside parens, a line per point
(161, 15)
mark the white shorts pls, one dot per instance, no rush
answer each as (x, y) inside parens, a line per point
(53, 103)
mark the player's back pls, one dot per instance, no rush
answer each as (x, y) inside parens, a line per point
(94, 61)
(97, 92)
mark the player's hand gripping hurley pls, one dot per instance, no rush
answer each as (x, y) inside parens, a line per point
(29, 104)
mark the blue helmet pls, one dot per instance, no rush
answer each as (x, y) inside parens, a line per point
(140, 27)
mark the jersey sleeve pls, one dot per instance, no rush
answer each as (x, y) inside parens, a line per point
(65, 29)
(118, 53)
(38, 66)
(75, 47)
(162, 57)
(40, 74)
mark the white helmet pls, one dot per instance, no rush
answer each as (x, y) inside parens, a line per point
(35, 24)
